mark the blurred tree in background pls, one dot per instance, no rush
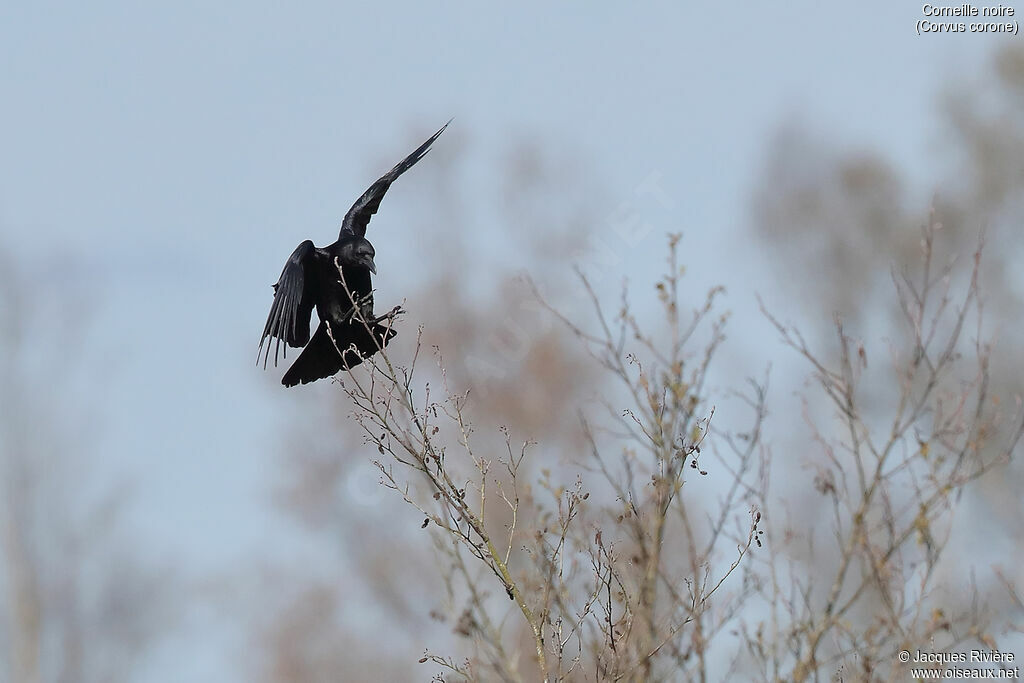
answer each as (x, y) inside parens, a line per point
(78, 603)
(851, 221)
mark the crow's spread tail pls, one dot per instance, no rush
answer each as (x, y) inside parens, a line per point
(321, 359)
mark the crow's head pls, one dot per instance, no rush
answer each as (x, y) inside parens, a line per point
(357, 251)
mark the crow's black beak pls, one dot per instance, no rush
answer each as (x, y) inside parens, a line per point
(368, 262)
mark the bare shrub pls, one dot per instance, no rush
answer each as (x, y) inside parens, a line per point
(891, 459)
(632, 561)
(611, 574)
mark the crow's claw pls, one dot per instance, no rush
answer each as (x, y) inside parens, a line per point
(391, 315)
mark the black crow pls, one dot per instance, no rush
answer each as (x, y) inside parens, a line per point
(318, 277)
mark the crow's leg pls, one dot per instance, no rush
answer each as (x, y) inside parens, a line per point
(356, 312)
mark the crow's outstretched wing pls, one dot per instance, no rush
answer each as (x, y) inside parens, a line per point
(294, 296)
(358, 216)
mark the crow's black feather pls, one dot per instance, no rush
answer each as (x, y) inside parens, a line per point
(358, 217)
(336, 280)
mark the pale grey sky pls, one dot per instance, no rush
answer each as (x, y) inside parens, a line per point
(176, 153)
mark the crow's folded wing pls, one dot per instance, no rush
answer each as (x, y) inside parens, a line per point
(294, 296)
(358, 216)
